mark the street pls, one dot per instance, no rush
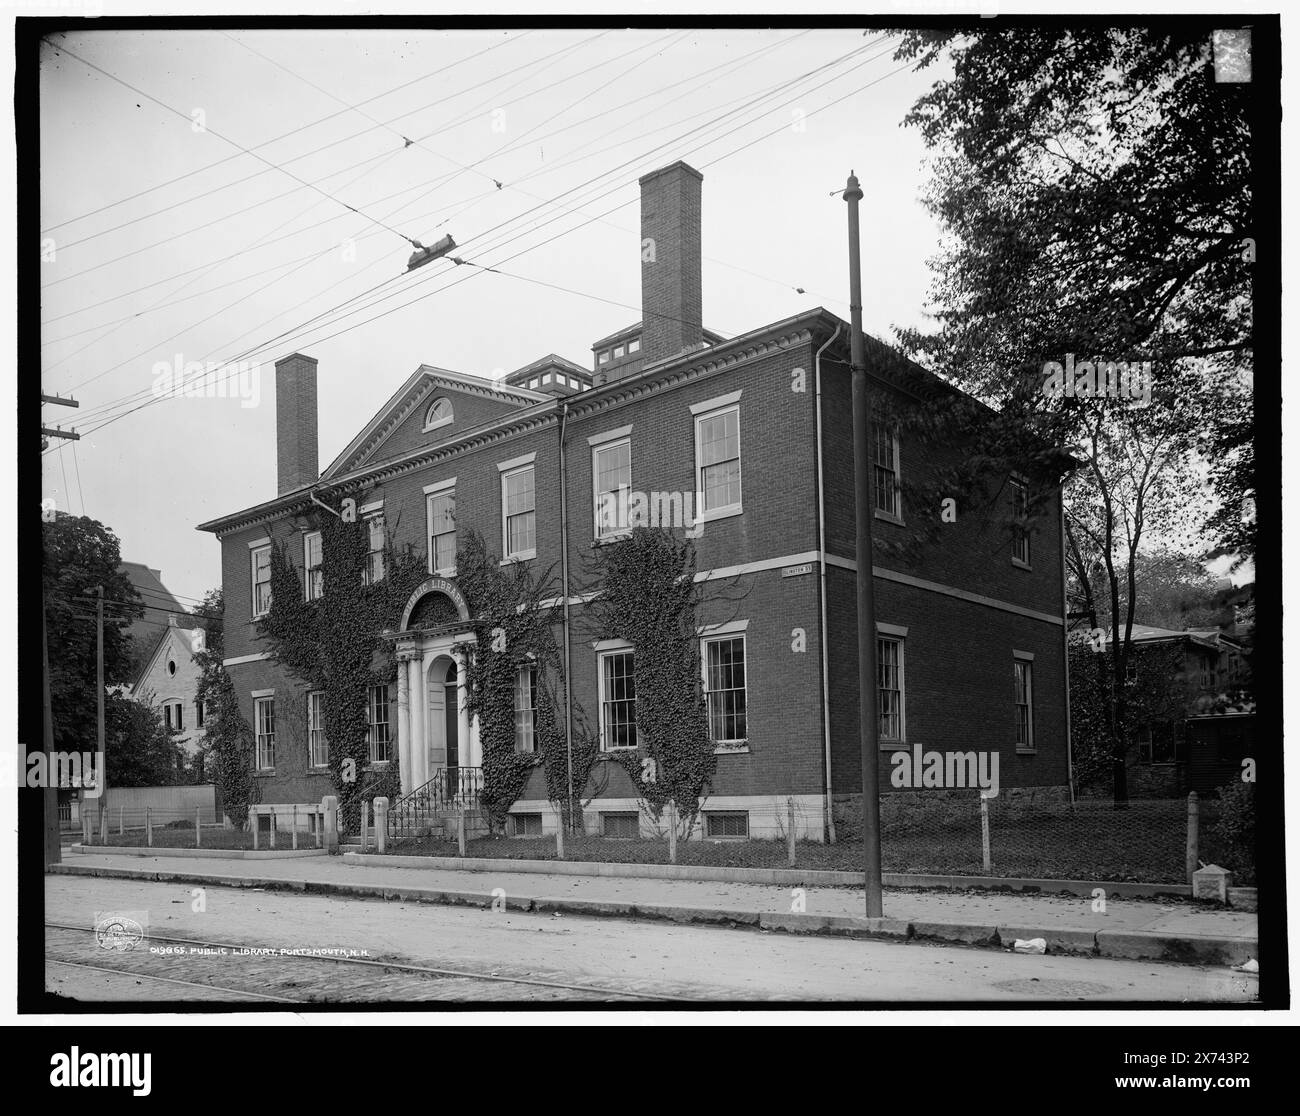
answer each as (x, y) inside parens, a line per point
(600, 958)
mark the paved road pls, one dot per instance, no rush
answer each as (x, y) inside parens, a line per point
(690, 962)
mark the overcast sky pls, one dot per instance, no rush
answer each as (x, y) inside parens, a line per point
(232, 257)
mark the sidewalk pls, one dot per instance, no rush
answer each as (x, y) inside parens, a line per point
(1129, 928)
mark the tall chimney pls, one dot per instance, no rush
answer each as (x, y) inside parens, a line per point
(671, 300)
(295, 422)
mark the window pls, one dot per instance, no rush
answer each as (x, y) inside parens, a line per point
(440, 413)
(442, 532)
(171, 667)
(728, 824)
(261, 558)
(534, 382)
(889, 689)
(617, 700)
(620, 826)
(724, 689)
(1020, 515)
(526, 709)
(174, 715)
(619, 351)
(374, 567)
(317, 748)
(1024, 704)
(377, 730)
(264, 718)
(527, 825)
(313, 576)
(888, 490)
(634, 346)
(717, 460)
(611, 467)
(547, 378)
(604, 357)
(518, 508)
(1158, 744)
(200, 713)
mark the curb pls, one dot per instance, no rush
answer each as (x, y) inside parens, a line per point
(787, 877)
(1115, 944)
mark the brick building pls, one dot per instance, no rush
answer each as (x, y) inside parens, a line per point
(753, 435)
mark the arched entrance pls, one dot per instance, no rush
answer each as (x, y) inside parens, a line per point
(442, 685)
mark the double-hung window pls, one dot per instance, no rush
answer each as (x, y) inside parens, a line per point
(518, 512)
(264, 721)
(1019, 526)
(374, 568)
(724, 690)
(441, 514)
(717, 457)
(1024, 693)
(377, 726)
(313, 576)
(318, 749)
(617, 678)
(887, 472)
(260, 557)
(526, 709)
(889, 689)
(611, 468)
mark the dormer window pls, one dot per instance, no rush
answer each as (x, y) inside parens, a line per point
(634, 346)
(618, 351)
(439, 414)
(604, 357)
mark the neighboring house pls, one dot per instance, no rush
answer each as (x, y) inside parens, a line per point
(169, 681)
(1191, 700)
(755, 434)
(160, 607)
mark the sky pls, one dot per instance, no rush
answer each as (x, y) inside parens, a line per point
(222, 189)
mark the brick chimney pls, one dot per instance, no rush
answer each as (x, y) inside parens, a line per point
(295, 422)
(671, 300)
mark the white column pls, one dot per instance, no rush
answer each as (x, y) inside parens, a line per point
(404, 725)
(416, 700)
(430, 730)
(464, 739)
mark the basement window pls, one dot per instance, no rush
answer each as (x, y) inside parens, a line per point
(622, 827)
(527, 825)
(730, 824)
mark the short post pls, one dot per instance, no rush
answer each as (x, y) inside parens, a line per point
(319, 814)
(271, 827)
(198, 827)
(984, 832)
(1193, 835)
(365, 822)
(294, 839)
(85, 825)
(148, 825)
(789, 831)
(103, 823)
(672, 833)
(559, 834)
(330, 805)
(253, 818)
(460, 829)
(381, 823)
(121, 823)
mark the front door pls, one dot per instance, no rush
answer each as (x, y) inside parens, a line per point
(450, 712)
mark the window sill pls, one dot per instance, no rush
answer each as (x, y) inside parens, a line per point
(709, 515)
(894, 746)
(737, 748)
(623, 748)
(1021, 565)
(890, 517)
(610, 539)
(264, 773)
(379, 765)
(1026, 751)
(443, 573)
(522, 556)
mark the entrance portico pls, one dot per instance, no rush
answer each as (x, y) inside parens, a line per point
(435, 731)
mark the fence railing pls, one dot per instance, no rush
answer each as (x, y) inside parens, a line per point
(450, 789)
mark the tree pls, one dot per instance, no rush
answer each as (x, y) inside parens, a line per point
(1094, 186)
(139, 750)
(79, 554)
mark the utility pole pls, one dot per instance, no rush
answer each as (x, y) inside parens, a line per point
(864, 507)
(53, 848)
(101, 760)
(46, 432)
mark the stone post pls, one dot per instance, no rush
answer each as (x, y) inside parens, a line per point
(381, 823)
(330, 804)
